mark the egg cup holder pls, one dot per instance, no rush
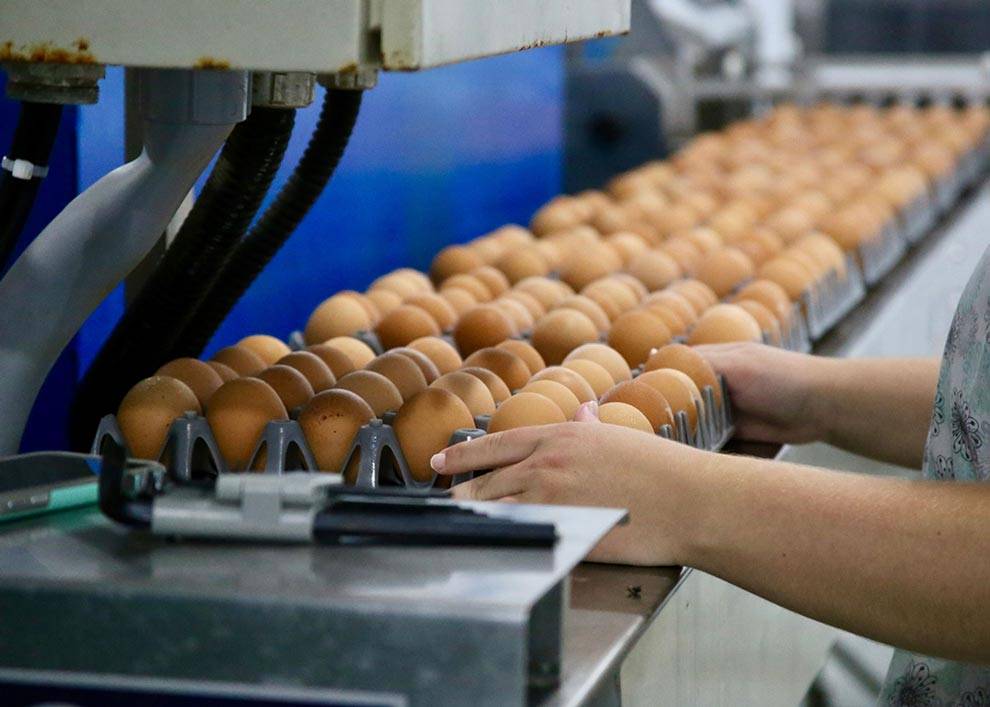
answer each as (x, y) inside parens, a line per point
(918, 219)
(827, 302)
(794, 332)
(881, 254)
(381, 463)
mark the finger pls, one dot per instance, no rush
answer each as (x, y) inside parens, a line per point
(488, 452)
(588, 412)
(509, 482)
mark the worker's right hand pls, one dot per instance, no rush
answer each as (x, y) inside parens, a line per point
(776, 394)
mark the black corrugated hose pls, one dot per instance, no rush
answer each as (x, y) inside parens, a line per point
(141, 341)
(311, 175)
(34, 138)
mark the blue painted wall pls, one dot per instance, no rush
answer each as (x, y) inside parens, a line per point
(437, 157)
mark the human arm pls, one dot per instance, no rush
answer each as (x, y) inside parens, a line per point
(877, 407)
(900, 561)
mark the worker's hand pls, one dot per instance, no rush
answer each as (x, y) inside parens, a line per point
(587, 463)
(775, 394)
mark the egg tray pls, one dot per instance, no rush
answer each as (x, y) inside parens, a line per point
(190, 452)
(794, 335)
(829, 300)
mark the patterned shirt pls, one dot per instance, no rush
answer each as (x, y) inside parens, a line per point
(958, 448)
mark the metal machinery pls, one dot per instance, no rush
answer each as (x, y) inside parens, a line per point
(95, 614)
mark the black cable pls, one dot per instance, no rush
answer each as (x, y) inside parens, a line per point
(311, 175)
(140, 342)
(34, 138)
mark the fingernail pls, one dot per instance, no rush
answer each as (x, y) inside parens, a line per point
(437, 461)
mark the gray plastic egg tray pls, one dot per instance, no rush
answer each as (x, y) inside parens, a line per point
(190, 451)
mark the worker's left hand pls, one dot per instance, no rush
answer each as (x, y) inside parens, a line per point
(587, 463)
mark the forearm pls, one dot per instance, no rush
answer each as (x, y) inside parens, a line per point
(903, 562)
(880, 408)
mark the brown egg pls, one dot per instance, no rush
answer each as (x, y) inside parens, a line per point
(519, 264)
(476, 287)
(268, 348)
(496, 386)
(637, 288)
(437, 307)
(530, 356)
(678, 303)
(454, 260)
(201, 378)
(149, 409)
(624, 415)
(532, 305)
(468, 388)
(644, 398)
(790, 223)
(242, 361)
(225, 372)
(402, 371)
(803, 258)
(724, 270)
(404, 324)
(768, 322)
(399, 284)
(424, 426)
(583, 266)
(547, 292)
(676, 325)
(559, 214)
(312, 367)
(636, 333)
(289, 384)
(696, 292)
(339, 363)
(678, 389)
(793, 277)
(683, 251)
(825, 251)
(561, 331)
(623, 298)
(443, 355)
(421, 279)
(425, 363)
(339, 315)
(506, 365)
(560, 394)
(376, 390)
(725, 323)
(374, 314)
(606, 357)
(707, 240)
(626, 245)
(687, 360)
(604, 297)
(525, 410)
(770, 295)
(459, 299)
(485, 325)
(330, 422)
(565, 376)
(760, 244)
(521, 319)
(355, 349)
(655, 269)
(589, 308)
(237, 415)
(553, 254)
(492, 278)
(384, 300)
(596, 376)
